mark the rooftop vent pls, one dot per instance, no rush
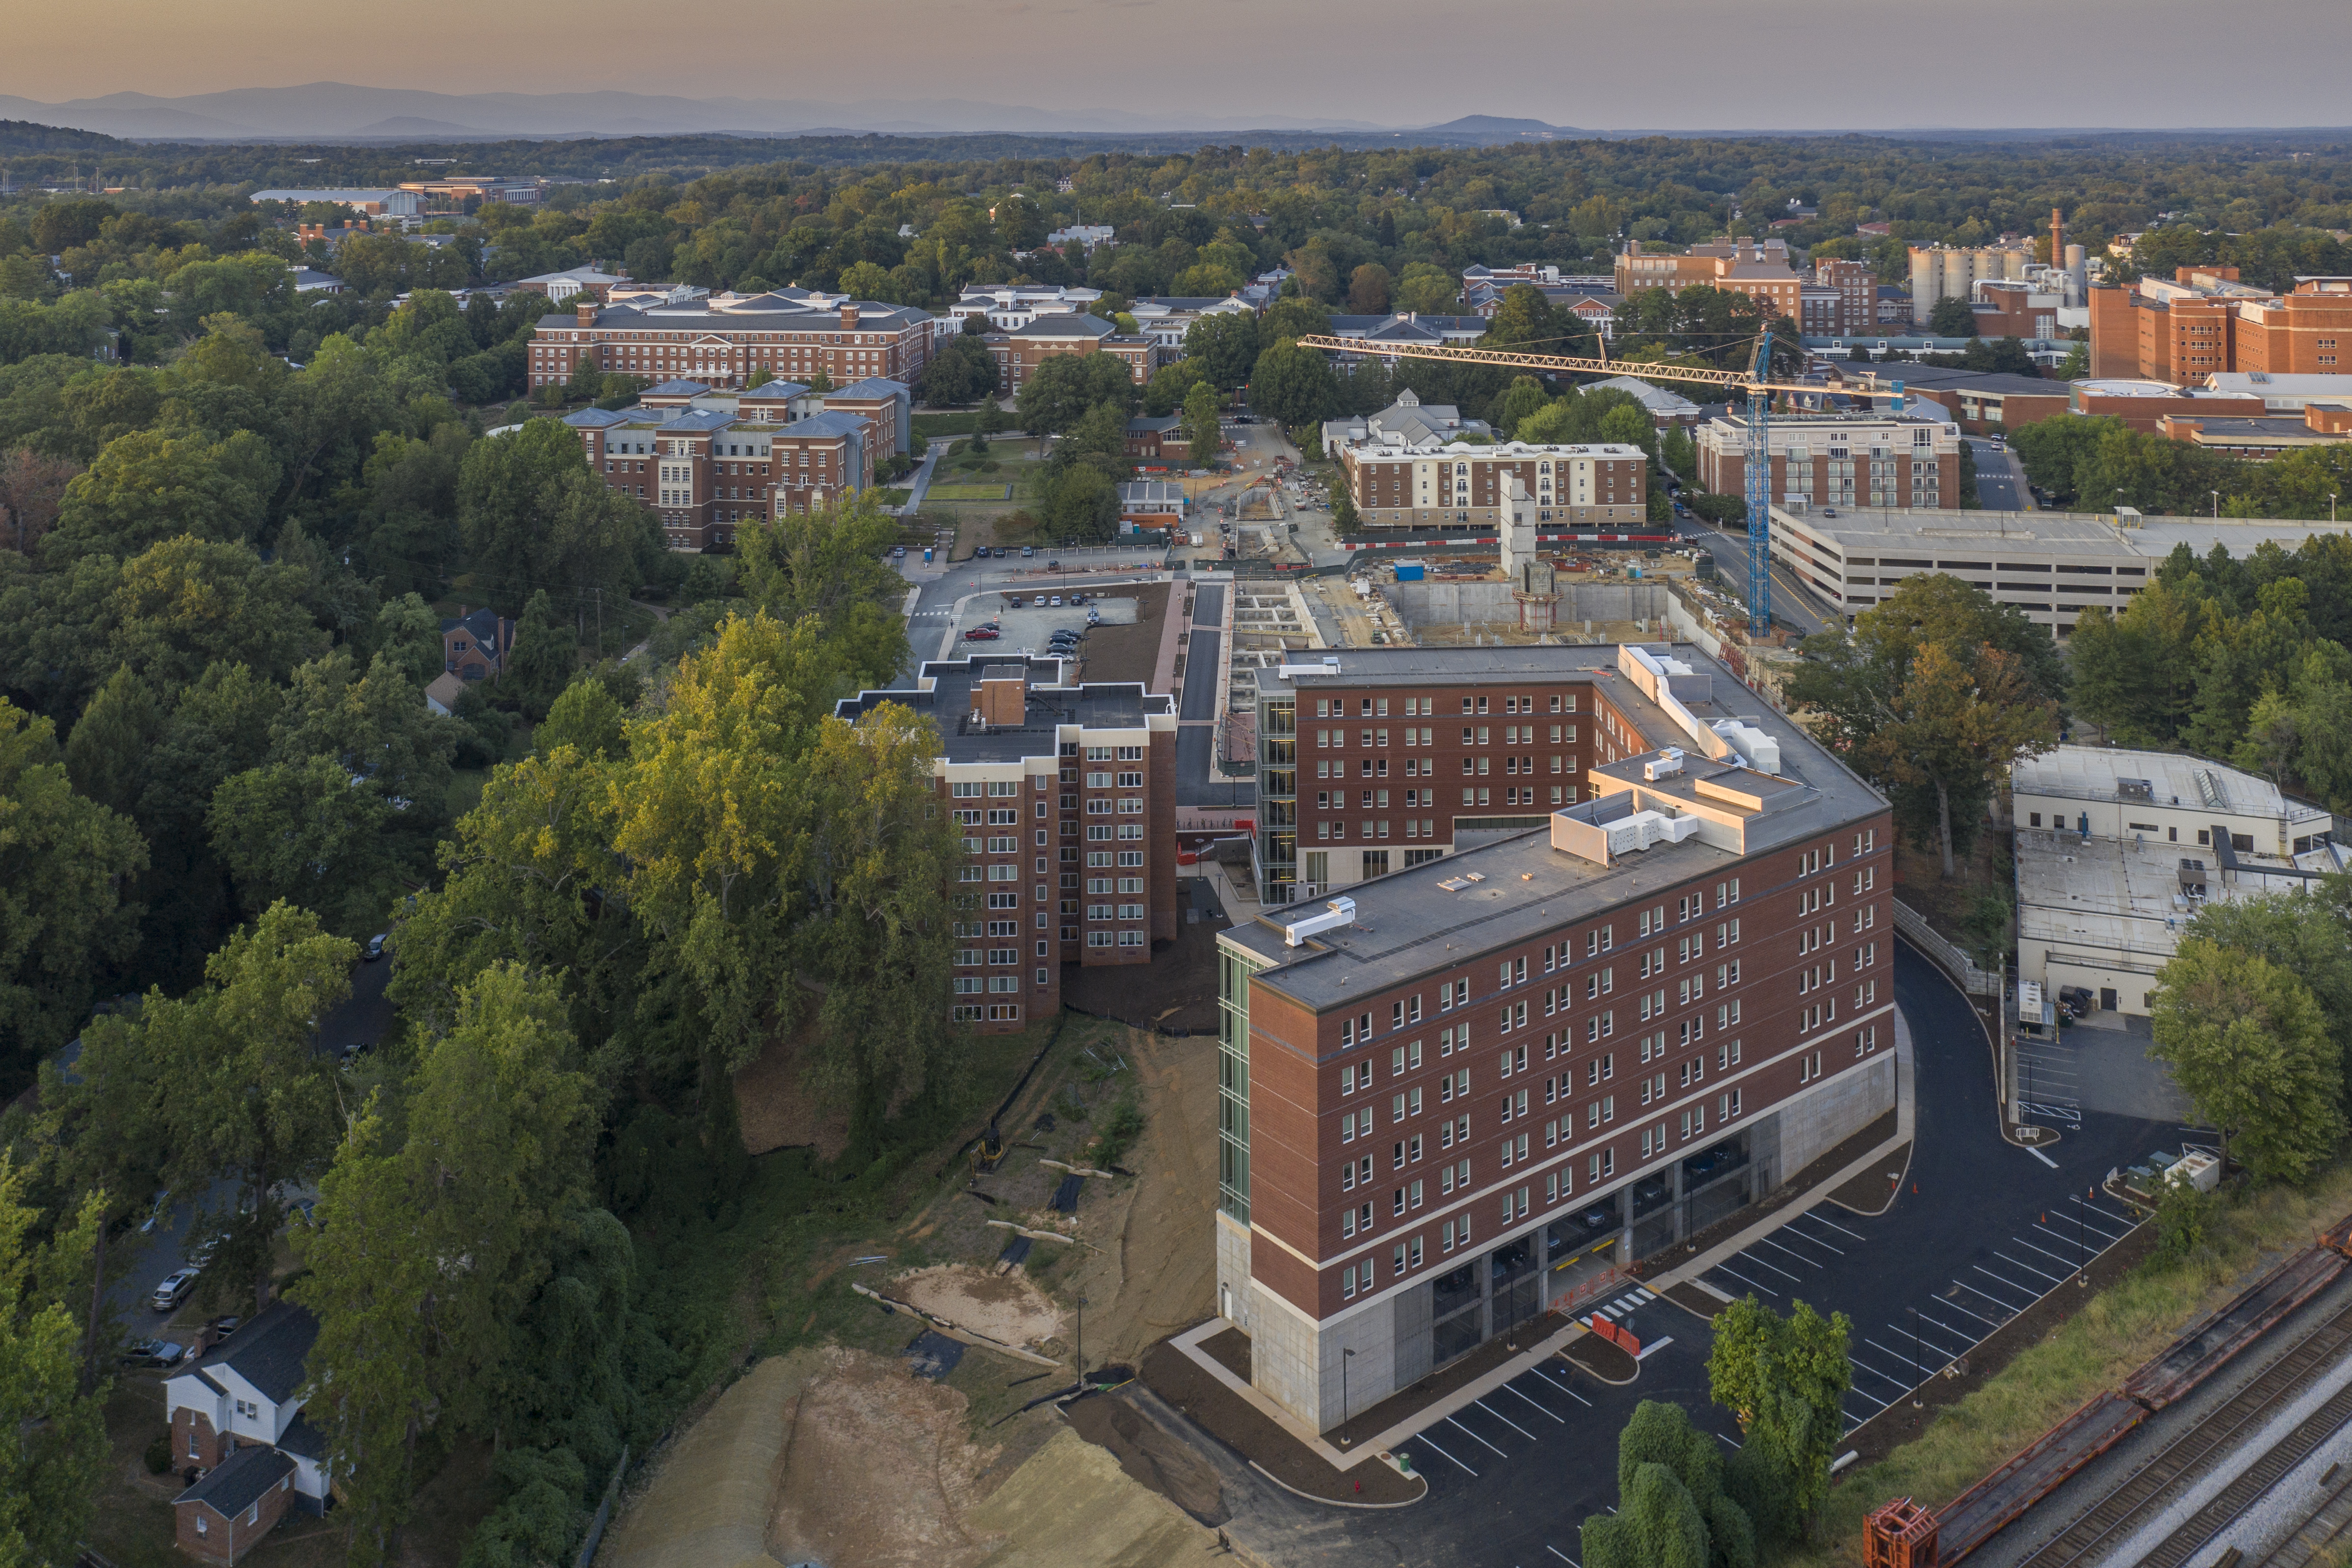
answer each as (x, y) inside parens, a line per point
(1666, 764)
(2135, 789)
(1455, 884)
(1336, 913)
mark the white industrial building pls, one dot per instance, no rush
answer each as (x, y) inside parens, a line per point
(2116, 849)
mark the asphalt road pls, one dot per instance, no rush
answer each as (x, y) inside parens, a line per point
(1791, 604)
(1988, 1228)
(136, 1262)
(2000, 477)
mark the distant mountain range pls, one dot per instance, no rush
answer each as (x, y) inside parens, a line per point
(337, 112)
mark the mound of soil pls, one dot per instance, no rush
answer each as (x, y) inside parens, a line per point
(777, 1112)
(1006, 1307)
(1154, 1457)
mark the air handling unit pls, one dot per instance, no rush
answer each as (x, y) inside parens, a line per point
(1334, 914)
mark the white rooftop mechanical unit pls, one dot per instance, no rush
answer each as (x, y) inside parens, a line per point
(1336, 913)
(1642, 828)
(1663, 765)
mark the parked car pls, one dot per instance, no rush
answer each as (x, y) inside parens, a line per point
(173, 1290)
(1027, 551)
(1039, 602)
(152, 1352)
(1053, 566)
(223, 1327)
(1055, 601)
(897, 552)
(1063, 640)
(377, 945)
(983, 634)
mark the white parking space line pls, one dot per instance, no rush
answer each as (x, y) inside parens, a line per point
(1531, 1400)
(1732, 1441)
(2102, 1213)
(1950, 1305)
(1880, 1402)
(2010, 1283)
(2083, 1241)
(1506, 1420)
(1998, 1303)
(2062, 1262)
(1898, 1356)
(2054, 1279)
(1895, 1379)
(1450, 1419)
(1563, 1556)
(1653, 1347)
(1745, 1280)
(1760, 1263)
(1423, 1437)
(1561, 1387)
(1824, 1219)
(1814, 1240)
(1967, 1340)
(1791, 1251)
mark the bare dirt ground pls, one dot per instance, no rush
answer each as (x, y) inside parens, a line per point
(1156, 1271)
(1008, 1307)
(877, 1472)
(776, 1113)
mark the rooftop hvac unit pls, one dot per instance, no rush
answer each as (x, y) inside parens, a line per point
(1666, 764)
(1643, 828)
(1336, 913)
(1756, 749)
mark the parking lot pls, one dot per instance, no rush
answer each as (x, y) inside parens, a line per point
(1029, 627)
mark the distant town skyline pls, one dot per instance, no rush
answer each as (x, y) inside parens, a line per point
(1670, 64)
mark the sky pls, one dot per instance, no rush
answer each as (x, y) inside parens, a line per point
(1596, 64)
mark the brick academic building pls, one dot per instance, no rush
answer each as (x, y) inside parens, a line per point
(791, 333)
(2203, 322)
(1423, 1136)
(1066, 798)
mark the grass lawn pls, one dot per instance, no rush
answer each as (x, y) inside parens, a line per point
(996, 491)
(891, 498)
(2114, 1333)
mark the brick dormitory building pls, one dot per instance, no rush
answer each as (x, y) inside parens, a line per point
(791, 333)
(707, 462)
(1554, 1039)
(1066, 798)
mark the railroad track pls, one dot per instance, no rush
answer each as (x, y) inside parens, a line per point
(2323, 1533)
(2148, 1489)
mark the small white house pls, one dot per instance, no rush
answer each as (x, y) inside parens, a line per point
(247, 1392)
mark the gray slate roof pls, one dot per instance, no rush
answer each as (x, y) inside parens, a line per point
(1065, 325)
(236, 1482)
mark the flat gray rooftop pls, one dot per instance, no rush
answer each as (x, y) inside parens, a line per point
(943, 693)
(1931, 531)
(1409, 924)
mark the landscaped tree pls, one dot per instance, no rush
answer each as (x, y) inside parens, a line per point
(1067, 385)
(100, 1128)
(1169, 385)
(250, 1098)
(1201, 424)
(2303, 933)
(2247, 1043)
(545, 655)
(1292, 385)
(1368, 290)
(962, 372)
(1937, 691)
(147, 487)
(1952, 318)
(1785, 1379)
(1426, 290)
(1674, 1509)
(1225, 346)
(32, 490)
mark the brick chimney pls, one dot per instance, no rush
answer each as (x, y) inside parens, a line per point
(1004, 695)
(848, 315)
(586, 311)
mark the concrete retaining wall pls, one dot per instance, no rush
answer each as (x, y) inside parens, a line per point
(1428, 604)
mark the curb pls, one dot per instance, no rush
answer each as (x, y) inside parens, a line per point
(1329, 1502)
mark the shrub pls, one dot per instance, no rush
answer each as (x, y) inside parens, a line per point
(158, 1454)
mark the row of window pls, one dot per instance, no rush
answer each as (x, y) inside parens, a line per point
(1424, 707)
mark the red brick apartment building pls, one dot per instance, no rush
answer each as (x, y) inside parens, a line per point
(791, 335)
(1019, 351)
(1838, 460)
(1482, 1084)
(706, 473)
(2203, 322)
(1856, 286)
(1737, 267)
(1435, 483)
(1066, 798)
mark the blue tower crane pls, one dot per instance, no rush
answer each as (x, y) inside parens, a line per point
(1759, 491)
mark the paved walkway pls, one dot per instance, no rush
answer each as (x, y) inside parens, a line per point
(921, 482)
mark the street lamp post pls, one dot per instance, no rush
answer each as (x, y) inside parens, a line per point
(1345, 1355)
(2216, 506)
(2331, 506)
(1082, 1340)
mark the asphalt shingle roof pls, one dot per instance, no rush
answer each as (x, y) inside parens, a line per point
(238, 1481)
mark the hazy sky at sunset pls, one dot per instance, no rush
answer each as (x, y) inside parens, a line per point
(1624, 63)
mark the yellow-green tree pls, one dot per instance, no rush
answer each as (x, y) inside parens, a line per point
(2248, 1046)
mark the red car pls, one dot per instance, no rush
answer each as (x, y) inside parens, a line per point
(983, 634)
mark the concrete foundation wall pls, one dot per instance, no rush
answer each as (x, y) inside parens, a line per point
(1430, 603)
(1813, 1124)
(1233, 1271)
